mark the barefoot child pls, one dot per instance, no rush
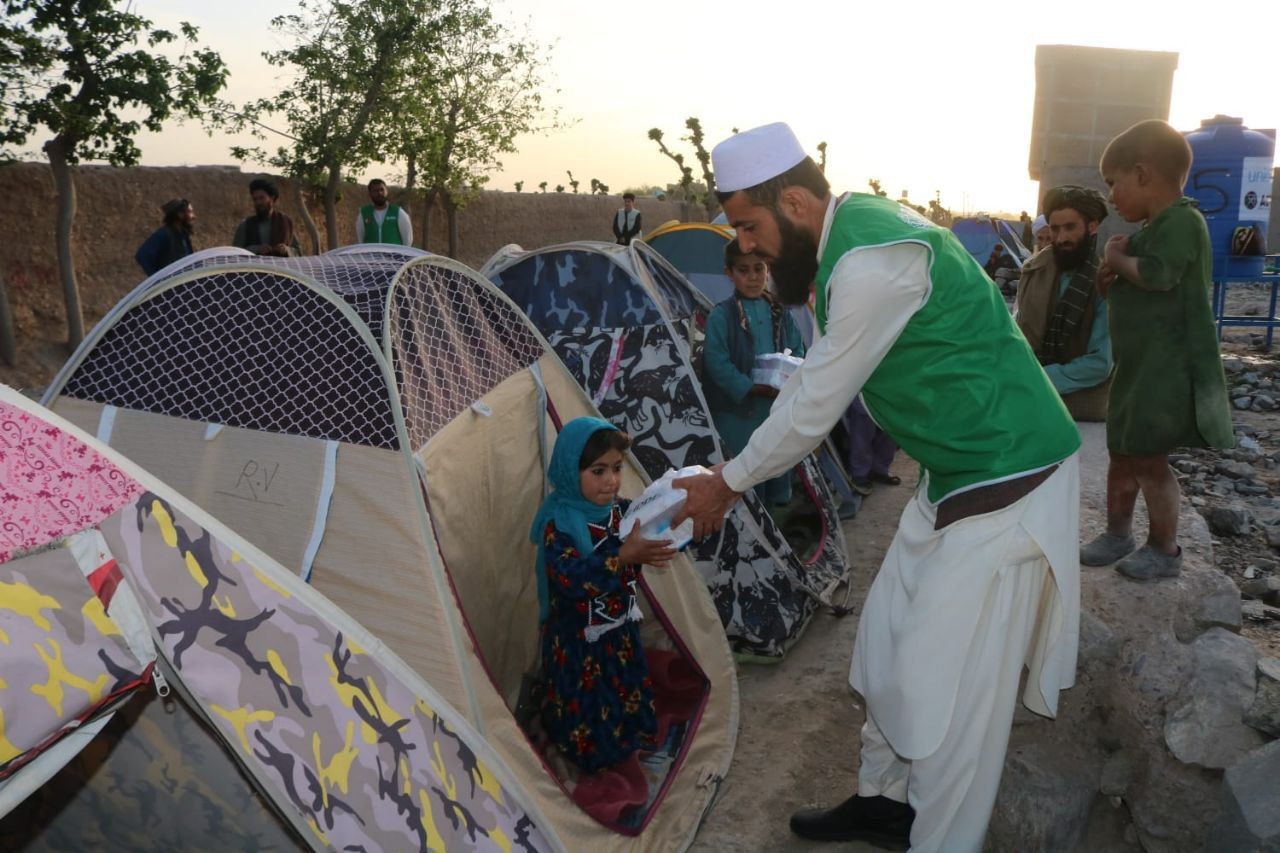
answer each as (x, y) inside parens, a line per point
(749, 323)
(598, 707)
(1169, 390)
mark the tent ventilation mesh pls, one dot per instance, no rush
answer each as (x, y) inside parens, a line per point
(454, 339)
(247, 349)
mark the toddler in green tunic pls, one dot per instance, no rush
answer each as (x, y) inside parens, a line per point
(1169, 390)
(745, 325)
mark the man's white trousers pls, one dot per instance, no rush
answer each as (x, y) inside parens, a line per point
(948, 625)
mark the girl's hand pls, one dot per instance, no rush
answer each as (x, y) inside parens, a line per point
(649, 552)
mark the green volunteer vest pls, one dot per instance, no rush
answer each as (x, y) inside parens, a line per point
(390, 232)
(960, 390)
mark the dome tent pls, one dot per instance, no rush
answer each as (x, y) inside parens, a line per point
(381, 422)
(170, 686)
(628, 327)
(980, 233)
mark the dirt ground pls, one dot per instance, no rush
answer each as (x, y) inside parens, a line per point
(798, 736)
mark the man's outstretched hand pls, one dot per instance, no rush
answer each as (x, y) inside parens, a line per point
(709, 499)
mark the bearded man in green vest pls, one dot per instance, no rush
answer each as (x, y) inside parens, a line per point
(382, 222)
(982, 576)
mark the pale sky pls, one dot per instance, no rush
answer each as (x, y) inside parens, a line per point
(923, 95)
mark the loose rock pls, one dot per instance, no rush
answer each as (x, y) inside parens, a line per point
(1250, 818)
(1097, 641)
(1264, 713)
(1234, 470)
(1228, 520)
(1208, 728)
(1041, 805)
(1266, 589)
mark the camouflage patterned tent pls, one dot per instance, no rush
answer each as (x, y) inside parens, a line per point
(628, 327)
(379, 424)
(286, 723)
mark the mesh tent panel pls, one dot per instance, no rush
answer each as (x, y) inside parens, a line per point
(453, 340)
(361, 279)
(244, 348)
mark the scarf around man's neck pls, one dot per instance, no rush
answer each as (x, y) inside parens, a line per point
(1070, 308)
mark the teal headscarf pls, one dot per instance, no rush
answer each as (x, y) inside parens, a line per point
(566, 506)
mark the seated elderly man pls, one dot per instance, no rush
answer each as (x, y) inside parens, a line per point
(1060, 311)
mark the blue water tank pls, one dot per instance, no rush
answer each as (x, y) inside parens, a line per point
(1231, 180)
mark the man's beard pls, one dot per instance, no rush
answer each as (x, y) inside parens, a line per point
(1075, 257)
(796, 265)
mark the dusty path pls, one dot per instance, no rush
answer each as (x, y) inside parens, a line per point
(798, 738)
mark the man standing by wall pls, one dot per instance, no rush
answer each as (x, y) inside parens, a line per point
(170, 241)
(268, 231)
(982, 576)
(382, 222)
(1060, 311)
(626, 222)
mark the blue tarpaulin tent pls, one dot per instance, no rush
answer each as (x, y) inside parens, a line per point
(980, 233)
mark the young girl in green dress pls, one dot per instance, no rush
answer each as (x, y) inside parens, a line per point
(1169, 390)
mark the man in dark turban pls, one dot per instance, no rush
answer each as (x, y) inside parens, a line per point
(1060, 311)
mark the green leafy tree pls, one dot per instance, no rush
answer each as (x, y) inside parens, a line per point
(559, 188)
(874, 183)
(573, 182)
(543, 186)
(599, 187)
(822, 157)
(519, 186)
(473, 100)
(349, 60)
(93, 74)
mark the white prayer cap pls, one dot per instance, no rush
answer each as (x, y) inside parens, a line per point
(754, 156)
(1040, 222)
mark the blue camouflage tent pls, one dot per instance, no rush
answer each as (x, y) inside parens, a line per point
(629, 328)
(980, 233)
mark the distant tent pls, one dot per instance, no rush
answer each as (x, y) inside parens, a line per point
(696, 249)
(980, 233)
(629, 328)
(289, 726)
(378, 420)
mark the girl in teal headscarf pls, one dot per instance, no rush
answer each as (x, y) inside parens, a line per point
(598, 703)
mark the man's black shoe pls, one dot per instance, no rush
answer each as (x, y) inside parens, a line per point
(875, 820)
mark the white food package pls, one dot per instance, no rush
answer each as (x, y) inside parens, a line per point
(655, 509)
(775, 368)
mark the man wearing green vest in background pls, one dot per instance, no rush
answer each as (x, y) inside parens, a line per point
(982, 576)
(381, 222)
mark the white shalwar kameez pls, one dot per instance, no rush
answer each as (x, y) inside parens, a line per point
(953, 614)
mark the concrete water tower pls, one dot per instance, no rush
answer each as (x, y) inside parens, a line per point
(1084, 97)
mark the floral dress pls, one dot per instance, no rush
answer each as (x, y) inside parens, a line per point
(598, 704)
